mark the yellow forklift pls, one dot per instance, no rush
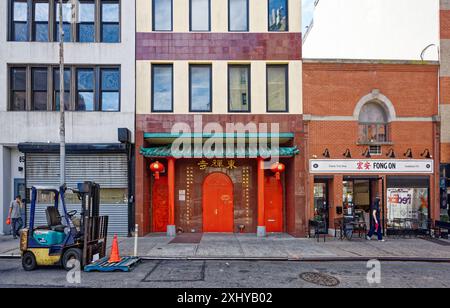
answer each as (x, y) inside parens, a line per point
(68, 237)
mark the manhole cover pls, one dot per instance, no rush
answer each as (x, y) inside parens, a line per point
(320, 279)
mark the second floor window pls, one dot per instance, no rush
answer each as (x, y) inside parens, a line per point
(39, 89)
(85, 88)
(162, 88)
(277, 88)
(239, 88)
(373, 124)
(162, 15)
(200, 88)
(238, 15)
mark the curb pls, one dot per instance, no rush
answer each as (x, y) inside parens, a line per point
(282, 259)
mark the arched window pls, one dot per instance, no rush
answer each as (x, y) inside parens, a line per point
(373, 124)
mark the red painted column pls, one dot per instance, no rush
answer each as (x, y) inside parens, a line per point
(171, 231)
(261, 215)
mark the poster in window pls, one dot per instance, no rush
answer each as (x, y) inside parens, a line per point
(407, 207)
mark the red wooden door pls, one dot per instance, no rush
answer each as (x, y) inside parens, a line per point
(218, 203)
(273, 201)
(160, 204)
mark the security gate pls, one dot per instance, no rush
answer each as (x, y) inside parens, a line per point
(108, 170)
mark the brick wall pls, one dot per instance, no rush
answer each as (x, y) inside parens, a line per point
(335, 89)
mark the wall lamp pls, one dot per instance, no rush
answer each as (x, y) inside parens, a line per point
(408, 153)
(426, 154)
(347, 154)
(391, 153)
(366, 153)
(326, 153)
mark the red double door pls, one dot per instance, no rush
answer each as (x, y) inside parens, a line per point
(218, 203)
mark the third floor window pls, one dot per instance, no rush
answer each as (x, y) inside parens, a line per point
(87, 21)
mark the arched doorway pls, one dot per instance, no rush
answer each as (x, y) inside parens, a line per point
(218, 203)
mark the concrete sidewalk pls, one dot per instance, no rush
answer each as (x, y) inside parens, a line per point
(279, 247)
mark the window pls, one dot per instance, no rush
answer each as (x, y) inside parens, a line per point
(39, 89)
(277, 88)
(200, 17)
(110, 21)
(238, 15)
(40, 24)
(375, 150)
(18, 84)
(162, 15)
(67, 18)
(85, 89)
(95, 88)
(19, 24)
(200, 88)
(86, 22)
(373, 124)
(162, 88)
(278, 15)
(56, 95)
(239, 88)
(110, 89)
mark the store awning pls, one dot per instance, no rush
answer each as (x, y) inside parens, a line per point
(166, 151)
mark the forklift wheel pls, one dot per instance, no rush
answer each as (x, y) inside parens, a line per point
(71, 254)
(29, 261)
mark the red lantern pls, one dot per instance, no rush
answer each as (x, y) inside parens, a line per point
(278, 168)
(157, 168)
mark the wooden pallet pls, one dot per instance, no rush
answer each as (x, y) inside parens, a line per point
(125, 265)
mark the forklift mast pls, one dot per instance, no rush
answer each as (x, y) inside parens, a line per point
(90, 200)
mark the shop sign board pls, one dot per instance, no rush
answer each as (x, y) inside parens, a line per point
(371, 166)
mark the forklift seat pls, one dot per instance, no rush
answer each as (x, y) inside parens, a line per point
(54, 219)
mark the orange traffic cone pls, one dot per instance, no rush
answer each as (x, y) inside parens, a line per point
(115, 258)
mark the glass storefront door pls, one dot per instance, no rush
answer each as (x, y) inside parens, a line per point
(321, 205)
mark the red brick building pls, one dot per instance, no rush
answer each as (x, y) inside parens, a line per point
(372, 129)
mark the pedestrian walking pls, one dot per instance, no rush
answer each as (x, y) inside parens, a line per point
(375, 225)
(15, 215)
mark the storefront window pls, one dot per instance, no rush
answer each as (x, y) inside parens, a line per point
(348, 197)
(407, 208)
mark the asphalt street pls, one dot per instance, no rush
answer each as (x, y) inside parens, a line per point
(235, 274)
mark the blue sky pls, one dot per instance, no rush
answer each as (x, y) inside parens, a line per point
(308, 9)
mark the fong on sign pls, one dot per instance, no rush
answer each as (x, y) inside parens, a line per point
(371, 166)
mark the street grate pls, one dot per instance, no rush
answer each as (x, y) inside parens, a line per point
(177, 271)
(320, 279)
